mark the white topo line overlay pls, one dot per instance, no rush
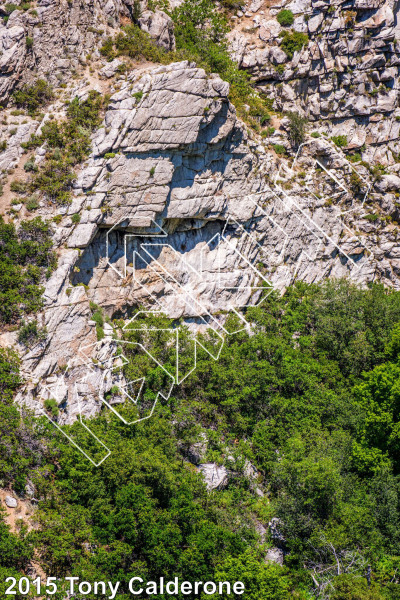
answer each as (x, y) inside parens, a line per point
(223, 241)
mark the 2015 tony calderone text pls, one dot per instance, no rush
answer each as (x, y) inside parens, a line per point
(137, 587)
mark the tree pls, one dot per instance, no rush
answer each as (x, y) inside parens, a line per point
(297, 128)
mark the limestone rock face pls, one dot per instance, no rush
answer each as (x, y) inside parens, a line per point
(178, 203)
(346, 75)
(215, 477)
(62, 35)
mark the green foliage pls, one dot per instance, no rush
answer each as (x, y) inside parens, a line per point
(340, 140)
(76, 217)
(33, 97)
(232, 4)
(135, 43)
(285, 17)
(68, 144)
(30, 333)
(356, 183)
(297, 128)
(24, 255)
(348, 587)
(292, 42)
(262, 581)
(29, 41)
(10, 7)
(311, 397)
(279, 149)
(51, 406)
(30, 166)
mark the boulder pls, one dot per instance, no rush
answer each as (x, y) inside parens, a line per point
(215, 477)
(388, 183)
(11, 502)
(110, 69)
(160, 27)
(275, 555)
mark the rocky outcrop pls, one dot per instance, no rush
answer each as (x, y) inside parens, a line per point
(215, 477)
(54, 39)
(178, 205)
(160, 27)
(345, 76)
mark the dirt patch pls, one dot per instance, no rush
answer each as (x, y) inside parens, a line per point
(13, 516)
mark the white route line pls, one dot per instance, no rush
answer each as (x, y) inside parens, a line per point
(169, 280)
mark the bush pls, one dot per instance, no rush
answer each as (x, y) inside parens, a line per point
(24, 255)
(279, 149)
(29, 42)
(52, 407)
(30, 333)
(285, 17)
(356, 183)
(135, 43)
(10, 7)
(76, 218)
(232, 4)
(3, 145)
(31, 203)
(30, 166)
(33, 97)
(293, 42)
(19, 187)
(68, 144)
(297, 128)
(340, 140)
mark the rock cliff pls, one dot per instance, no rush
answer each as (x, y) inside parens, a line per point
(182, 208)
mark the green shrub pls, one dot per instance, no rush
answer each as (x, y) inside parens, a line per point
(52, 407)
(232, 4)
(34, 96)
(279, 149)
(31, 203)
(152, 171)
(68, 144)
(19, 187)
(135, 43)
(30, 166)
(29, 42)
(297, 128)
(24, 256)
(315, 134)
(285, 17)
(10, 7)
(30, 333)
(76, 217)
(109, 155)
(293, 42)
(356, 183)
(3, 145)
(372, 217)
(340, 140)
